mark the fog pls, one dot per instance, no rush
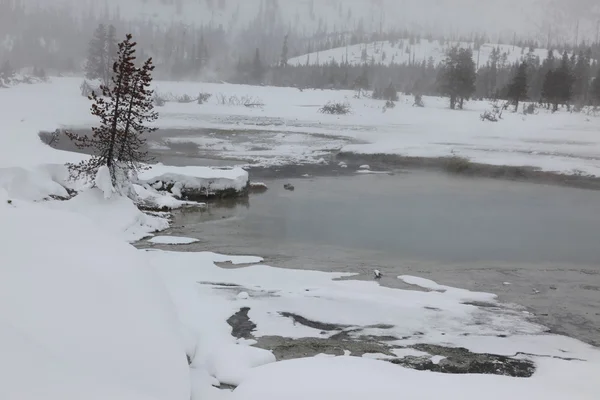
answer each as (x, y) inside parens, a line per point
(54, 34)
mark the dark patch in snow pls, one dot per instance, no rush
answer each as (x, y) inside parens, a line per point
(286, 348)
(241, 325)
(233, 285)
(322, 326)
(461, 361)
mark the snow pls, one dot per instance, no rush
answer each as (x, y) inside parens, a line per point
(117, 215)
(200, 178)
(285, 130)
(232, 362)
(352, 378)
(172, 240)
(30, 184)
(82, 313)
(403, 52)
(450, 291)
(103, 182)
(97, 322)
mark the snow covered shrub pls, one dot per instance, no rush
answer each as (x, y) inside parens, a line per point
(203, 97)
(184, 99)
(457, 164)
(246, 101)
(495, 114)
(418, 101)
(335, 108)
(87, 89)
(529, 109)
(389, 104)
(159, 100)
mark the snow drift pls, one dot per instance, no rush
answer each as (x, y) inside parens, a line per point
(82, 315)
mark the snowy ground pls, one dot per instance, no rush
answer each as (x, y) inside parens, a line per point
(403, 52)
(289, 128)
(85, 315)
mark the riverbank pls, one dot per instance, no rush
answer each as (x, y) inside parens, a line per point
(532, 245)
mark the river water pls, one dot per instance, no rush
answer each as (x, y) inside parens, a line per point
(534, 245)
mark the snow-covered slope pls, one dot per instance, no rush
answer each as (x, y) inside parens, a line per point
(402, 51)
(82, 316)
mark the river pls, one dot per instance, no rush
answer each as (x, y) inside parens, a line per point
(531, 244)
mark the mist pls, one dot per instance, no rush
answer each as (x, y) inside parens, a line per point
(220, 36)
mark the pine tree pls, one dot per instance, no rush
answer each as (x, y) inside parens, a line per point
(517, 89)
(457, 76)
(257, 68)
(595, 89)
(102, 54)
(96, 60)
(564, 80)
(123, 109)
(283, 62)
(582, 75)
(111, 51)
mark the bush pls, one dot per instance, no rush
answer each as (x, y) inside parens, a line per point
(203, 97)
(184, 99)
(457, 164)
(87, 89)
(495, 114)
(335, 108)
(246, 101)
(529, 109)
(418, 101)
(159, 101)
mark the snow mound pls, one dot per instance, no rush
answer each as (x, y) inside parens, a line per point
(83, 316)
(353, 378)
(31, 184)
(461, 294)
(103, 182)
(117, 215)
(172, 240)
(232, 362)
(197, 178)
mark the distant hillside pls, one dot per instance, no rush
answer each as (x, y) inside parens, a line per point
(402, 52)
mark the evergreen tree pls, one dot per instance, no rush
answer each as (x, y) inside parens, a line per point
(582, 75)
(457, 76)
(102, 54)
(96, 60)
(517, 89)
(123, 109)
(258, 70)
(283, 62)
(549, 92)
(564, 81)
(595, 89)
(111, 49)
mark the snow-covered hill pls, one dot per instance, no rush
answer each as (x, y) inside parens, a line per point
(531, 18)
(402, 51)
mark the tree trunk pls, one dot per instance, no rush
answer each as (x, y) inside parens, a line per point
(452, 102)
(113, 128)
(517, 104)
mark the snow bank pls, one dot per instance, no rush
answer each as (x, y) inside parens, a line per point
(172, 240)
(82, 315)
(186, 182)
(231, 363)
(117, 215)
(351, 378)
(32, 184)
